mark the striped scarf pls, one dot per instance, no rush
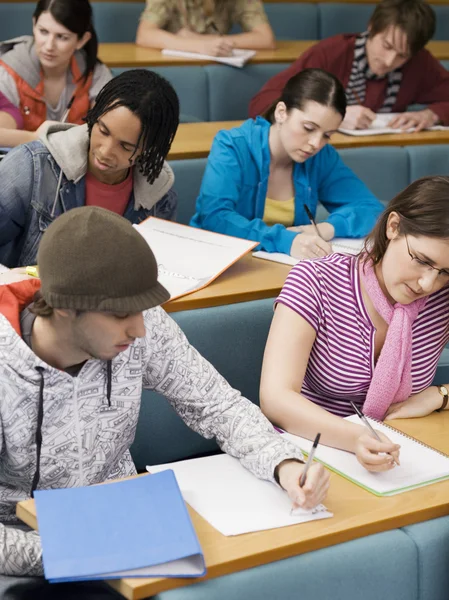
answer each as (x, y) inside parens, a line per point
(360, 72)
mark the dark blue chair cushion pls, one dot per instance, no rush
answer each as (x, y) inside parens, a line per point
(191, 86)
(117, 21)
(188, 177)
(231, 89)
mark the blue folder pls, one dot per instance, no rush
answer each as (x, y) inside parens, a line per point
(134, 528)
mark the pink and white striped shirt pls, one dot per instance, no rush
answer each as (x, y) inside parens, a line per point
(326, 292)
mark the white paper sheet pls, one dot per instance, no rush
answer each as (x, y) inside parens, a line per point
(342, 245)
(233, 500)
(419, 466)
(189, 258)
(238, 59)
(380, 125)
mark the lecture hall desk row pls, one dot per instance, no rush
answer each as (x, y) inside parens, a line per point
(357, 513)
(194, 140)
(130, 55)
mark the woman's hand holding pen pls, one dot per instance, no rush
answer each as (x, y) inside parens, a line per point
(309, 245)
(326, 230)
(374, 455)
(315, 488)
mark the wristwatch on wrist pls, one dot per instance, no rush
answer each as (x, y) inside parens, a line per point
(444, 392)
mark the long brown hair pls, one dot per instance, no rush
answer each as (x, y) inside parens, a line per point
(423, 208)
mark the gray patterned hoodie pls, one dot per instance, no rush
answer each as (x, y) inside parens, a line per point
(87, 429)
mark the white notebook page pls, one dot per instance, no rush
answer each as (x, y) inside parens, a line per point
(380, 125)
(341, 245)
(419, 466)
(232, 499)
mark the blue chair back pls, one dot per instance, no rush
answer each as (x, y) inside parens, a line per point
(117, 21)
(188, 177)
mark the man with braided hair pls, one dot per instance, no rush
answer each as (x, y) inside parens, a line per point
(115, 161)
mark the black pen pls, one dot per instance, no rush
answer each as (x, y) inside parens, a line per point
(312, 220)
(368, 424)
(309, 461)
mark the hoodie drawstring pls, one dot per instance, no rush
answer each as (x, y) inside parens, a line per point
(38, 436)
(109, 381)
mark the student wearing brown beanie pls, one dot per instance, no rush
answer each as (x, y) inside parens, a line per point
(92, 319)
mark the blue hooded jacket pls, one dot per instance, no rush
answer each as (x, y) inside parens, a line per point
(234, 189)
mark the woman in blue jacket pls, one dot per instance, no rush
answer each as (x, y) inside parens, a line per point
(260, 175)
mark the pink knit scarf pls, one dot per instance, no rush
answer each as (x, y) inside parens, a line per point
(392, 377)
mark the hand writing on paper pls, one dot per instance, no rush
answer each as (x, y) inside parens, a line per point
(327, 231)
(374, 455)
(358, 117)
(315, 489)
(417, 120)
(309, 246)
(418, 405)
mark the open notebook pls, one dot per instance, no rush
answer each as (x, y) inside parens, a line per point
(189, 258)
(380, 125)
(420, 464)
(342, 245)
(233, 500)
(238, 58)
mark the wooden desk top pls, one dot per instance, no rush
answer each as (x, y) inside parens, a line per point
(130, 55)
(357, 513)
(248, 279)
(194, 140)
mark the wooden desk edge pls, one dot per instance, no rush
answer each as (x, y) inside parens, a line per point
(135, 589)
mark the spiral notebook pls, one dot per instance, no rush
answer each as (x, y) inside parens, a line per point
(341, 245)
(420, 464)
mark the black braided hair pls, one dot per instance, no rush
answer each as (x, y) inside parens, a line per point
(151, 98)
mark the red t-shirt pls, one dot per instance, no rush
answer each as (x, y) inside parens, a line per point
(113, 197)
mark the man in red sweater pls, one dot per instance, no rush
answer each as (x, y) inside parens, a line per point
(384, 69)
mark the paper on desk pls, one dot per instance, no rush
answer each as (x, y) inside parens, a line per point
(420, 464)
(342, 245)
(189, 258)
(238, 59)
(380, 126)
(233, 500)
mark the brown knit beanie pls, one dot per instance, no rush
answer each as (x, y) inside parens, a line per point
(92, 259)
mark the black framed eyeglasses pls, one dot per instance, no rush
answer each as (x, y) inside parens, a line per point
(424, 265)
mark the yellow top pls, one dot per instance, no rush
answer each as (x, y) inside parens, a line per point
(279, 211)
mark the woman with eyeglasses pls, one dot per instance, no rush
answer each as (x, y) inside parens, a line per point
(204, 26)
(368, 329)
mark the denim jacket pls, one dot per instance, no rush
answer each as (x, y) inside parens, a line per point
(29, 177)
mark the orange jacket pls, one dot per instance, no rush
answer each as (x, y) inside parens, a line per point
(32, 103)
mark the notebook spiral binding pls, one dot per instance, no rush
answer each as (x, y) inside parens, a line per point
(410, 437)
